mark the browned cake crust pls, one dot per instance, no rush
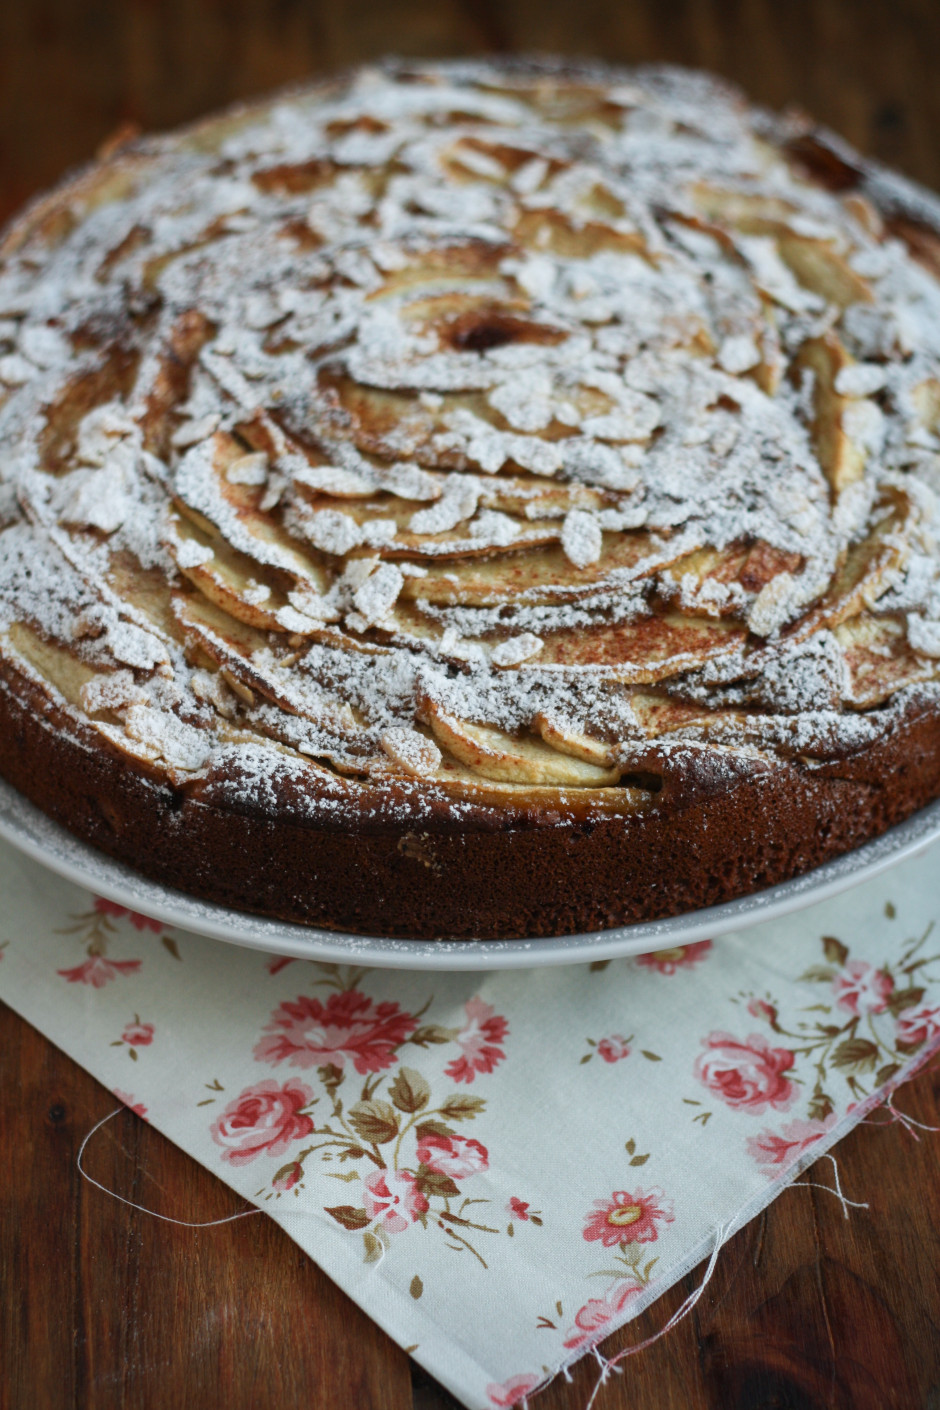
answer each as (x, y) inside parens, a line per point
(498, 874)
(462, 640)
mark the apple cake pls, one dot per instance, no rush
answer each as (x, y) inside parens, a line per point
(479, 499)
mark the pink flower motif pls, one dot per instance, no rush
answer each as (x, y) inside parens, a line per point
(861, 988)
(138, 1035)
(307, 1033)
(479, 1041)
(774, 1152)
(614, 1048)
(916, 1026)
(593, 1322)
(393, 1196)
(519, 1209)
(681, 957)
(746, 1075)
(264, 1119)
(139, 922)
(287, 1177)
(279, 962)
(628, 1219)
(511, 1392)
(97, 971)
(759, 1008)
(137, 1107)
(455, 1156)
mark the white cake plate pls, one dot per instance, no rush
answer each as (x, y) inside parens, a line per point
(29, 830)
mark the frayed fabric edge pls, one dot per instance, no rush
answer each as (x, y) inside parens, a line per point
(710, 1246)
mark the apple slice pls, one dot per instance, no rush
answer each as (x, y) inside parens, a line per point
(226, 577)
(880, 659)
(841, 456)
(494, 754)
(205, 495)
(644, 650)
(860, 577)
(543, 576)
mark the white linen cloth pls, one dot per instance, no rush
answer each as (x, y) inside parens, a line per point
(499, 1168)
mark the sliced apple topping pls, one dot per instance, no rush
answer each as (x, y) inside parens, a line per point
(228, 578)
(559, 734)
(866, 566)
(204, 492)
(844, 427)
(648, 649)
(545, 575)
(880, 659)
(926, 400)
(494, 754)
(473, 434)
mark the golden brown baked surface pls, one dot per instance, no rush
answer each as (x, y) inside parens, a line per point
(501, 455)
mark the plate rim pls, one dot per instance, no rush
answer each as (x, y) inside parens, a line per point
(31, 832)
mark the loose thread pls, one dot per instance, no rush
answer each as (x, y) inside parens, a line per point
(842, 1198)
(906, 1120)
(183, 1223)
(611, 1364)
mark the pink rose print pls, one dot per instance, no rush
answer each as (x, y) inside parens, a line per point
(614, 1048)
(681, 957)
(139, 922)
(307, 1033)
(511, 1392)
(479, 1042)
(593, 1322)
(393, 1196)
(455, 1156)
(746, 1075)
(519, 1209)
(861, 988)
(137, 1107)
(773, 1152)
(138, 1035)
(759, 1008)
(628, 1219)
(916, 1026)
(287, 1177)
(263, 1119)
(97, 971)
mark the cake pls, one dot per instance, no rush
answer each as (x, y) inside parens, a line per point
(484, 499)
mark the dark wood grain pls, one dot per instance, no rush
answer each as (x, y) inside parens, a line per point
(104, 1308)
(73, 71)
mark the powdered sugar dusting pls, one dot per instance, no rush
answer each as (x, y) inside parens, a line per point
(474, 391)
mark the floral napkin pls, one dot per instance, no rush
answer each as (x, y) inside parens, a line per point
(500, 1168)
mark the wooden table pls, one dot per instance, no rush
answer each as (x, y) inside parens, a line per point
(103, 1307)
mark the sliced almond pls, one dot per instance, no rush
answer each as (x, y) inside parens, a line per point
(414, 753)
